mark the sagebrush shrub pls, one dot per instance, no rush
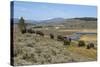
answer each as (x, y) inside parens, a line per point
(17, 51)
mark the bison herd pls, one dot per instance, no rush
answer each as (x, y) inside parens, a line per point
(65, 40)
(32, 31)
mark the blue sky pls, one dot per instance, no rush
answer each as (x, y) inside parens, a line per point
(44, 11)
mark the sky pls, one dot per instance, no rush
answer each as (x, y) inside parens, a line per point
(44, 11)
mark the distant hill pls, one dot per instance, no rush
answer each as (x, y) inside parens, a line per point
(87, 19)
(62, 20)
(54, 20)
(84, 22)
(57, 20)
(78, 23)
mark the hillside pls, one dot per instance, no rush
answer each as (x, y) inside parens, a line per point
(72, 23)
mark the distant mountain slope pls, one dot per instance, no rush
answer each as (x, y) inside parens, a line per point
(85, 22)
(57, 20)
(54, 20)
(80, 23)
(87, 19)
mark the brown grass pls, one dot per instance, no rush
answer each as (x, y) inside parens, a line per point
(89, 37)
(88, 53)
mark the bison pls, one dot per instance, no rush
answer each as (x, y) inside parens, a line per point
(90, 45)
(23, 31)
(70, 39)
(30, 31)
(60, 38)
(81, 43)
(66, 42)
(51, 36)
(40, 33)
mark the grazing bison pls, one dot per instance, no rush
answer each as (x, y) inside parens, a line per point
(81, 43)
(60, 38)
(23, 31)
(70, 39)
(66, 38)
(90, 45)
(51, 36)
(40, 33)
(66, 42)
(30, 31)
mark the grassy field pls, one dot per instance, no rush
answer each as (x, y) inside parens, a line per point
(89, 37)
(82, 51)
(34, 49)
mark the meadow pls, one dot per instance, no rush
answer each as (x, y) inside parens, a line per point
(32, 48)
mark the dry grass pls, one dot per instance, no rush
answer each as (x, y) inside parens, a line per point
(89, 37)
(78, 30)
(34, 49)
(82, 51)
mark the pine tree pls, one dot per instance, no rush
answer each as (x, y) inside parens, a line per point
(22, 25)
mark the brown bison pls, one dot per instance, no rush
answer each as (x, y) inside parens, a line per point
(70, 39)
(51, 36)
(23, 31)
(66, 42)
(60, 38)
(30, 31)
(81, 43)
(40, 33)
(90, 45)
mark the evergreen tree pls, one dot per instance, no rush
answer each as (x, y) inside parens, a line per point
(22, 25)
